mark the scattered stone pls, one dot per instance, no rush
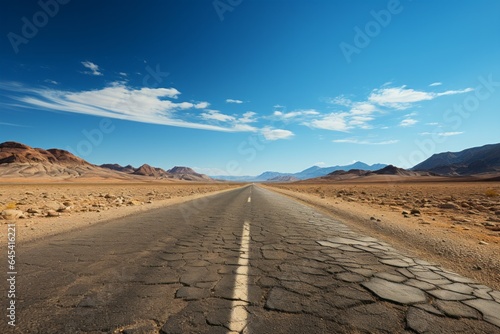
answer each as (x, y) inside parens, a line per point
(483, 242)
(415, 211)
(449, 205)
(11, 214)
(52, 213)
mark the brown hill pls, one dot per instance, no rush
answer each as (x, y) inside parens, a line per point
(20, 161)
(186, 173)
(147, 170)
(119, 168)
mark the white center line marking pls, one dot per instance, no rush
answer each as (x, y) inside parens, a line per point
(239, 313)
(249, 199)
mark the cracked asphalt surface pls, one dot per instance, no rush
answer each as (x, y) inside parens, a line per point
(243, 261)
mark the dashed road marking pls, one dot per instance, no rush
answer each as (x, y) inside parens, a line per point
(239, 313)
(249, 199)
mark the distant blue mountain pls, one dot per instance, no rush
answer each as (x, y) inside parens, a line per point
(311, 172)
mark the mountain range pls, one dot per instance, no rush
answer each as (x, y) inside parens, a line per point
(311, 172)
(23, 161)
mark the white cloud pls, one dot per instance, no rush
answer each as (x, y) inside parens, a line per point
(296, 113)
(123, 74)
(278, 106)
(364, 142)
(441, 134)
(341, 100)
(433, 123)
(217, 116)
(234, 101)
(94, 69)
(402, 97)
(448, 134)
(51, 81)
(435, 84)
(408, 122)
(333, 121)
(248, 117)
(275, 134)
(362, 108)
(119, 101)
(201, 105)
(319, 164)
(453, 92)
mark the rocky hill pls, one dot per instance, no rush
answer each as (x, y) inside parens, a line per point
(22, 161)
(476, 160)
(186, 173)
(13, 152)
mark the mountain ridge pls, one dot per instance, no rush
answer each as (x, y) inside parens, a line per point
(18, 160)
(474, 160)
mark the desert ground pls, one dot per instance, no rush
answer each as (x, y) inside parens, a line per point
(456, 224)
(39, 209)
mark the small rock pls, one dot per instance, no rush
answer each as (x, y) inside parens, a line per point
(404, 213)
(483, 242)
(449, 205)
(373, 218)
(31, 210)
(415, 211)
(52, 213)
(11, 214)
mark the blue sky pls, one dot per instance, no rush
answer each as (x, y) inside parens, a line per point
(241, 87)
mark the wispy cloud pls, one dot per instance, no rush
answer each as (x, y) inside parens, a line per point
(364, 142)
(332, 121)
(94, 69)
(275, 134)
(12, 124)
(123, 74)
(216, 115)
(51, 81)
(441, 134)
(146, 105)
(296, 113)
(402, 97)
(234, 101)
(435, 84)
(408, 122)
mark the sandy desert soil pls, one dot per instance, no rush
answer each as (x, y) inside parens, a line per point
(456, 224)
(41, 209)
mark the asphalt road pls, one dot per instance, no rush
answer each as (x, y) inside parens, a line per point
(247, 260)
